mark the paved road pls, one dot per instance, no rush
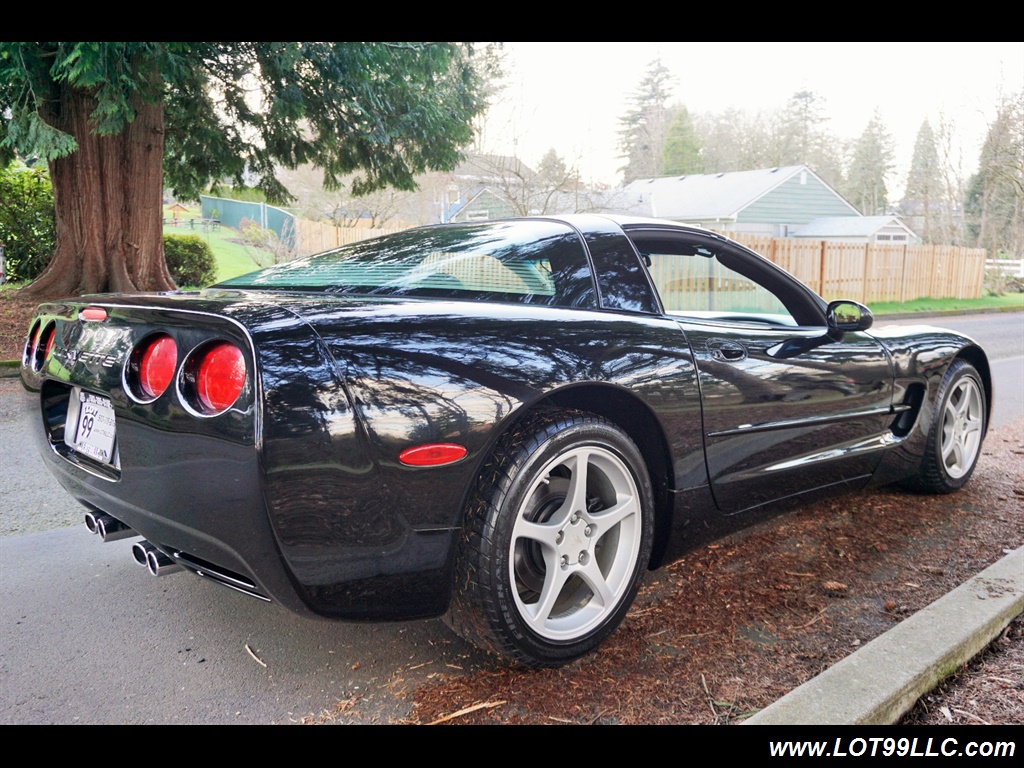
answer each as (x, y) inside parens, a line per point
(87, 636)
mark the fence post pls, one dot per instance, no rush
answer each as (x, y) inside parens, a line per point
(903, 276)
(821, 276)
(867, 271)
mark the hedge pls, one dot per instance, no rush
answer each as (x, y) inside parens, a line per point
(190, 260)
(27, 222)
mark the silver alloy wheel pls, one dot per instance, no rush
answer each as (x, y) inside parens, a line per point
(575, 543)
(963, 421)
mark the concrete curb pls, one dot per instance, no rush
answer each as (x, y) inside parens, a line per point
(10, 369)
(879, 683)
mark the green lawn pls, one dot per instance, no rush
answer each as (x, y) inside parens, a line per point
(233, 257)
(1008, 302)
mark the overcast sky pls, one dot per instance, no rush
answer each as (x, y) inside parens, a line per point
(570, 95)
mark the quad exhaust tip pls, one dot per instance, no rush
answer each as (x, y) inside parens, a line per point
(140, 553)
(144, 553)
(155, 561)
(108, 528)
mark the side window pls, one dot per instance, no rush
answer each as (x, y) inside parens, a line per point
(701, 283)
(704, 278)
(620, 275)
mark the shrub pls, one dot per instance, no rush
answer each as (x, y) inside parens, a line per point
(256, 236)
(190, 260)
(27, 222)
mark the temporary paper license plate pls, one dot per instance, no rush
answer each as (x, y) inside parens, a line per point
(95, 431)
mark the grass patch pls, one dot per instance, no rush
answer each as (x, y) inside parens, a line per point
(1007, 302)
(233, 257)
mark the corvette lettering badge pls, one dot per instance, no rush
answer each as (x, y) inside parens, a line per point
(71, 357)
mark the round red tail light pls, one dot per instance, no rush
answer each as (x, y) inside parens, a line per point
(157, 366)
(220, 377)
(151, 367)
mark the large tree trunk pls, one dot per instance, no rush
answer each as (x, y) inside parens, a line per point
(109, 203)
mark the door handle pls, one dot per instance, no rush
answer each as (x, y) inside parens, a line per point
(727, 351)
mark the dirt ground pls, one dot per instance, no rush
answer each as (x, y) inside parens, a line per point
(734, 626)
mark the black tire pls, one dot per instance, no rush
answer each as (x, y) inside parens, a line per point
(545, 574)
(956, 433)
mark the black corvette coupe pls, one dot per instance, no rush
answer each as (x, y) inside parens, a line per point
(506, 423)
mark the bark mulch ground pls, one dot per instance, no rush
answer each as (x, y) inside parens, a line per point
(15, 316)
(734, 626)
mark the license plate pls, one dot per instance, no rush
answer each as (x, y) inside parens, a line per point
(95, 430)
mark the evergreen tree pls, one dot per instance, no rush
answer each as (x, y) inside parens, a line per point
(552, 169)
(806, 141)
(995, 196)
(922, 201)
(871, 163)
(112, 118)
(642, 134)
(681, 154)
(801, 132)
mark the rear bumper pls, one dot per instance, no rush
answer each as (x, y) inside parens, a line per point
(188, 494)
(201, 500)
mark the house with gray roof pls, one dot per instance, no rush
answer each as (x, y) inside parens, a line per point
(884, 230)
(771, 201)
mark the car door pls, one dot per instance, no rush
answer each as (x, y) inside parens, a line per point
(787, 406)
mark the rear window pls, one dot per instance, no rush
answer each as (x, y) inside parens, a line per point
(529, 261)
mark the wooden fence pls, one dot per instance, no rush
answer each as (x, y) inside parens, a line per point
(875, 272)
(862, 272)
(317, 236)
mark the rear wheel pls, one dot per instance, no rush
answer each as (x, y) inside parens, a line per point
(956, 433)
(557, 539)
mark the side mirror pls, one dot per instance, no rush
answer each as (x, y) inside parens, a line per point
(849, 317)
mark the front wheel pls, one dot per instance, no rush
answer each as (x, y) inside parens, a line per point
(956, 433)
(557, 540)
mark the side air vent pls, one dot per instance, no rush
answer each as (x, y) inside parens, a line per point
(909, 410)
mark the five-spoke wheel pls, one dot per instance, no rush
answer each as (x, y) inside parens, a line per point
(963, 421)
(558, 539)
(575, 542)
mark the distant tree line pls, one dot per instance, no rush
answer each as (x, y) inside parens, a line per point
(986, 209)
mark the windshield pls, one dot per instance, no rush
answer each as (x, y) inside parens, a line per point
(527, 261)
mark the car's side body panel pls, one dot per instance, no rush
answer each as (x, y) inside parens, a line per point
(777, 425)
(345, 387)
(449, 372)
